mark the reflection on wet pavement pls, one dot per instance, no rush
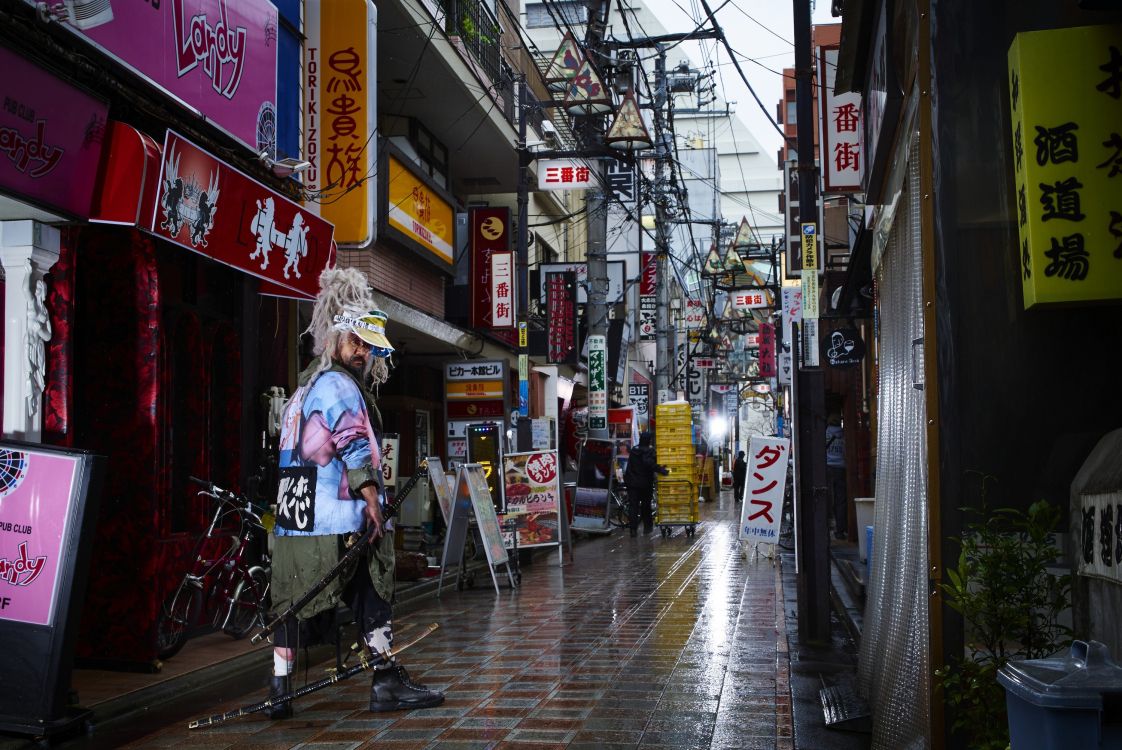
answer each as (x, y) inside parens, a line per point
(648, 642)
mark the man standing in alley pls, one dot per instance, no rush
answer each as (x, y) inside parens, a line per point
(330, 489)
(835, 474)
(739, 474)
(639, 478)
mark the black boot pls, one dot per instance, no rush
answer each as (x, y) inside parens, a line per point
(392, 690)
(279, 686)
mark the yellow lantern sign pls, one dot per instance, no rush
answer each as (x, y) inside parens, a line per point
(1065, 95)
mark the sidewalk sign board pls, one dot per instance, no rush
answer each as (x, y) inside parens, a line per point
(473, 497)
(594, 483)
(533, 498)
(443, 485)
(48, 515)
(761, 509)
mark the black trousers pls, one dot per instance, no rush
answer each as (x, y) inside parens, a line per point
(639, 502)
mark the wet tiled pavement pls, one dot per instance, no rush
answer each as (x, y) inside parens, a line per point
(649, 642)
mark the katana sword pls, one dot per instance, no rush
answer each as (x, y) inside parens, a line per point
(364, 664)
(357, 549)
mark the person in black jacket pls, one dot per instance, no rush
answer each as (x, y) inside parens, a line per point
(739, 474)
(639, 478)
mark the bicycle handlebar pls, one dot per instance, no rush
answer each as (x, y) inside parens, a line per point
(229, 496)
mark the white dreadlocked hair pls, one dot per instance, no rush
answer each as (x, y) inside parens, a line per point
(342, 291)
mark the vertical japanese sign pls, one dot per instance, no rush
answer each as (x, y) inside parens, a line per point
(810, 271)
(648, 303)
(694, 314)
(597, 382)
(767, 351)
(792, 313)
(840, 119)
(502, 290)
(561, 316)
(794, 254)
(639, 396)
(490, 234)
(1065, 95)
(390, 443)
(340, 109)
(761, 510)
(474, 391)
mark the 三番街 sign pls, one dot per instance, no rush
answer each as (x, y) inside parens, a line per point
(1065, 97)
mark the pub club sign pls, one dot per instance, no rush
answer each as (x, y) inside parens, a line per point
(843, 348)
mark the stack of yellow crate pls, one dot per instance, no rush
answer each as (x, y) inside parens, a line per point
(677, 492)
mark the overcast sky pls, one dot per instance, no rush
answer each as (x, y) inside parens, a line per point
(757, 29)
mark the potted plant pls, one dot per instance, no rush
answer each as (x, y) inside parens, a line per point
(1010, 604)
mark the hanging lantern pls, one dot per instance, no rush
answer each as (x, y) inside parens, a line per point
(565, 63)
(734, 264)
(586, 94)
(628, 131)
(712, 265)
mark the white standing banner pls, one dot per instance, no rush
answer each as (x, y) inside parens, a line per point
(761, 509)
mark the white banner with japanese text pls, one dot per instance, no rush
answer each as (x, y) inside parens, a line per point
(761, 509)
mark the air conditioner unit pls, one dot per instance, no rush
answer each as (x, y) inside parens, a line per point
(549, 132)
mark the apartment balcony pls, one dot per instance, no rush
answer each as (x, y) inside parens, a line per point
(440, 64)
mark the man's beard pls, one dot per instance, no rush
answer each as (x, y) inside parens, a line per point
(360, 365)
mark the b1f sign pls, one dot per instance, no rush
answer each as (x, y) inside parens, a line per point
(761, 509)
(564, 174)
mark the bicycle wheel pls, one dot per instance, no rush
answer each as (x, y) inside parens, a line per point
(177, 614)
(250, 601)
(619, 516)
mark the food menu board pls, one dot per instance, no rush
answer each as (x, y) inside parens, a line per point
(533, 497)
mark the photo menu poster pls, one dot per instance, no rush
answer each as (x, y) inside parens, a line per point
(533, 497)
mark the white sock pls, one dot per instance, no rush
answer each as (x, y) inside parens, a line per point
(380, 641)
(282, 667)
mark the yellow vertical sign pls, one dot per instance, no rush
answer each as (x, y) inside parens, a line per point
(340, 109)
(810, 247)
(1065, 98)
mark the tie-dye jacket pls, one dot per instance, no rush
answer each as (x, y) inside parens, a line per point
(328, 445)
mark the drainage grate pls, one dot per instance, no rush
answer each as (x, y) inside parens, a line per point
(843, 708)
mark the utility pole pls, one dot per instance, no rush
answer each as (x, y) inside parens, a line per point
(596, 202)
(665, 354)
(809, 383)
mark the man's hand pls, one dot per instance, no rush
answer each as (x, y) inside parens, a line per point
(373, 511)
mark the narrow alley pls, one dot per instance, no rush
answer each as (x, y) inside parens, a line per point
(646, 642)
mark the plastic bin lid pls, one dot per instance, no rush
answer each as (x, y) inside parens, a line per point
(1076, 679)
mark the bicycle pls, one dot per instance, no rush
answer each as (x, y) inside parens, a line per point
(234, 594)
(618, 513)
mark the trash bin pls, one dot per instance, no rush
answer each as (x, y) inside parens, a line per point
(1058, 702)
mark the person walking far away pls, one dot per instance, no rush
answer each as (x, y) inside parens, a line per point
(835, 474)
(639, 478)
(331, 487)
(739, 475)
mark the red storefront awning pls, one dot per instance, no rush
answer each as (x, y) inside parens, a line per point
(189, 197)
